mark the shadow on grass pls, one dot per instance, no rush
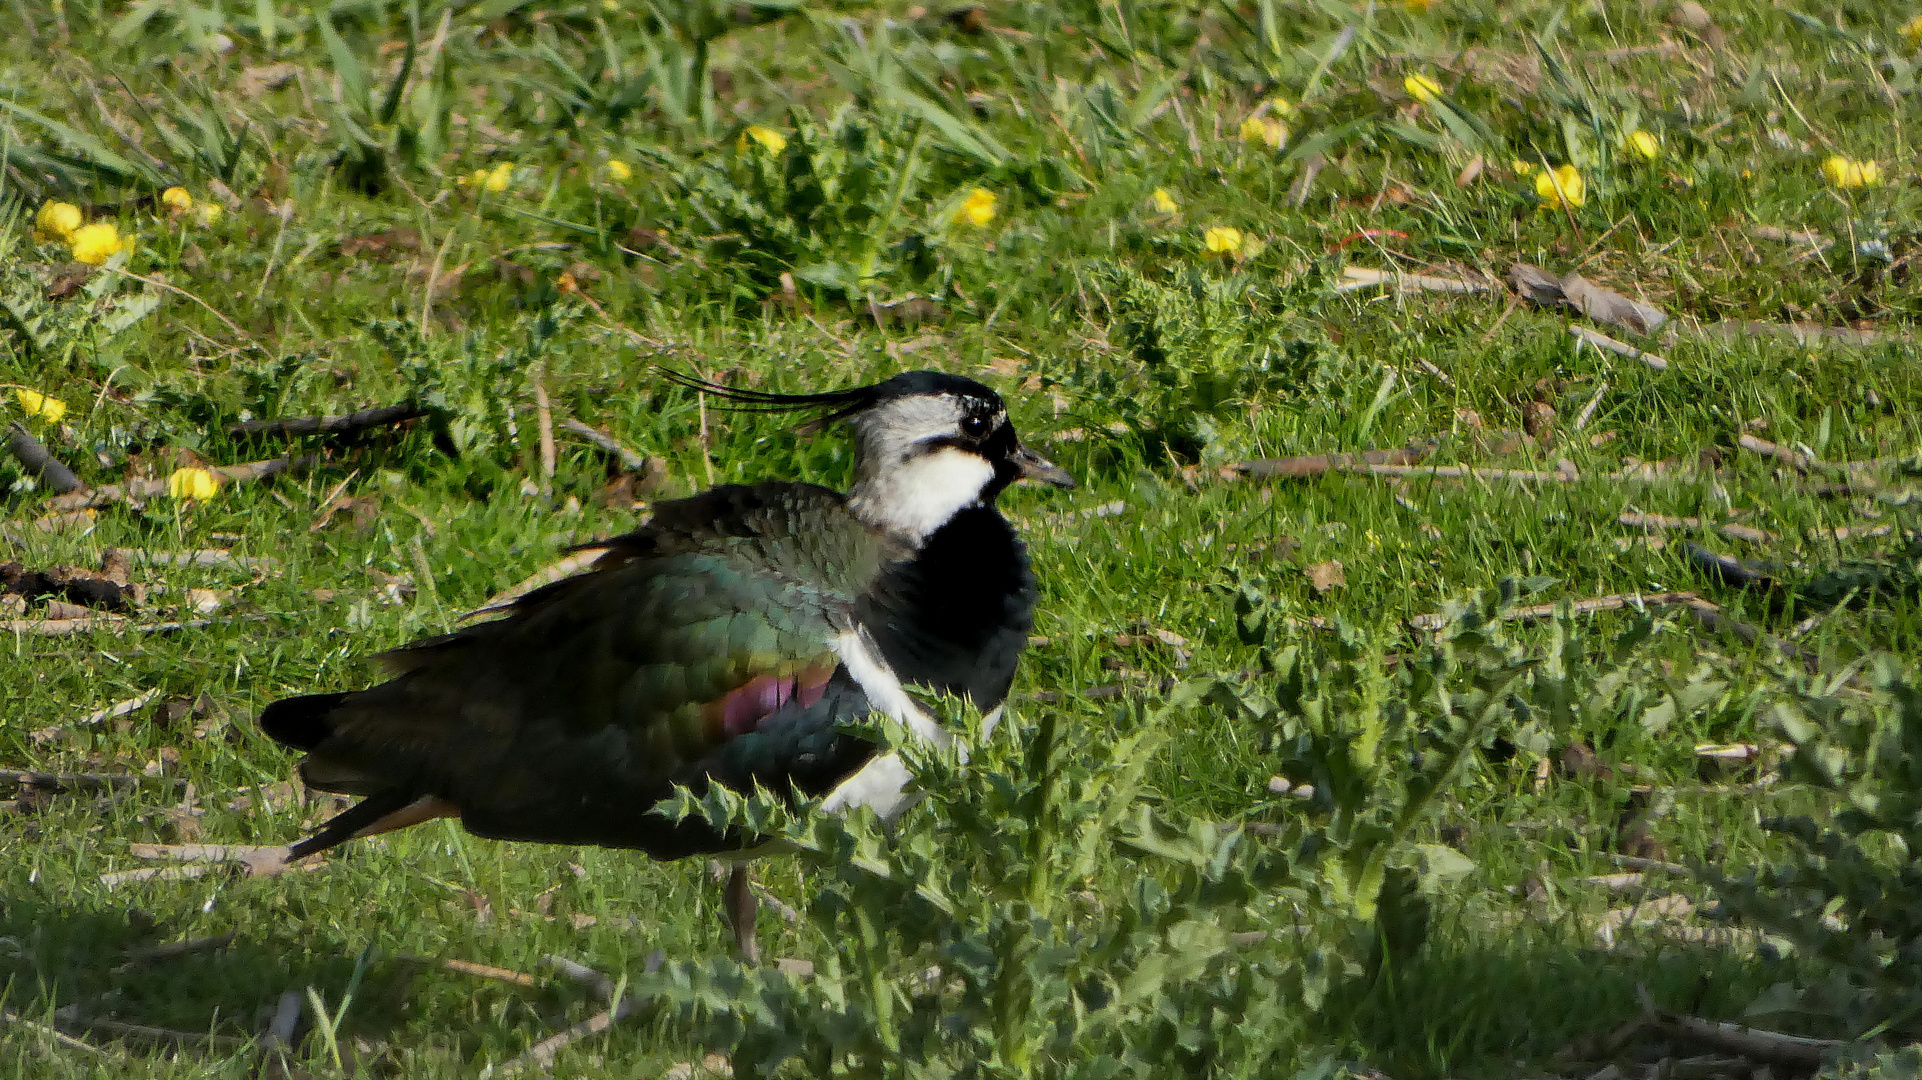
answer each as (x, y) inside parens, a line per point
(55, 956)
(1480, 1001)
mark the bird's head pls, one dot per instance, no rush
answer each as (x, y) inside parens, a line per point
(929, 445)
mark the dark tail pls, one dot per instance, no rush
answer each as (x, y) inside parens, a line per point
(341, 827)
(301, 722)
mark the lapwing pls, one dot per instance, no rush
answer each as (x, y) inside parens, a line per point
(728, 640)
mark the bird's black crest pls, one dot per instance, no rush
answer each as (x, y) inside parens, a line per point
(840, 404)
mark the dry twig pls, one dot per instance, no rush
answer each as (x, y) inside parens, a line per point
(348, 424)
(1799, 1052)
(145, 1033)
(1316, 464)
(1665, 523)
(544, 420)
(56, 1036)
(174, 949)
(568, 567)
(479, 971)
(1619, 348)
(631, 460)
(542, 1054)
(40, 461)
(1614, 602)
(1360, 277)
(138, 490)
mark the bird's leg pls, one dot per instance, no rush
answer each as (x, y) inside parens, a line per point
(738, 899)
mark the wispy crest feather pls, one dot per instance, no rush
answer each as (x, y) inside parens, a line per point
(839, 403)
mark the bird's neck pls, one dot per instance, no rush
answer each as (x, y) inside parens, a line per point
(955, 615)
(914, 498)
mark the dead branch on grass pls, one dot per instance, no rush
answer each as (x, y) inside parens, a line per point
(1665, 523)
(631, 460)
(1360, 277)
(40, 461)
(56, 1036)
(1316, 464)
(173, 950)
(1799, 1052)
(1536, 612)
(141, 490)
(348, 424)
(542, 1054)
(1619, 348)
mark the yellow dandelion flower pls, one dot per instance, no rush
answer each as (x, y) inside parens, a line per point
(499, 178)
(1562, 187)
(1846, 173)
(57, 221)
(1164, 202)
(1422, 88)
(95, 244)
(1644, 145)
(192, 483)
(1522, 168)
(978, 208)
(1264, 131)
(619, 171)
(1221, 240)
(176, 200)
(1911, 32)
(207, 212)
(771, 140)
(34, 403)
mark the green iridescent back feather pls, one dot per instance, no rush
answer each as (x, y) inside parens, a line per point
(597, 692)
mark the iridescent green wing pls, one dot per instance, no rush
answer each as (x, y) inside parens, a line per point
(699, 646)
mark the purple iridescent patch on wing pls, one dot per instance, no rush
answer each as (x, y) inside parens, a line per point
(743, 709)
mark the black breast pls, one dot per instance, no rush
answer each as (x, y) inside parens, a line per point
(956, 616)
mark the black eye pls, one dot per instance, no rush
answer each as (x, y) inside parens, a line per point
(974, 426)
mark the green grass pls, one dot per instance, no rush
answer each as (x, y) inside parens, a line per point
(1126, 353)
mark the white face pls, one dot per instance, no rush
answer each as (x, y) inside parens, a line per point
(918, 466)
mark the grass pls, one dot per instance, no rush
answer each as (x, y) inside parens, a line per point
(1128, 355)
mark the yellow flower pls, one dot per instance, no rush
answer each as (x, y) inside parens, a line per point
(1644, 144)
(207, 212)
(1844, 173)
(1422, 88)
(1264, 131)
(1221, 240)
(35, 403)
(57, 221)
(978, 208)
(1164, 202)
(95, 244)
(619, 171)
(1522, 168)
(1563, 186)
(771, 140)
(193, 483)
(495, 179)
(176, 200)
(1912, 32)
